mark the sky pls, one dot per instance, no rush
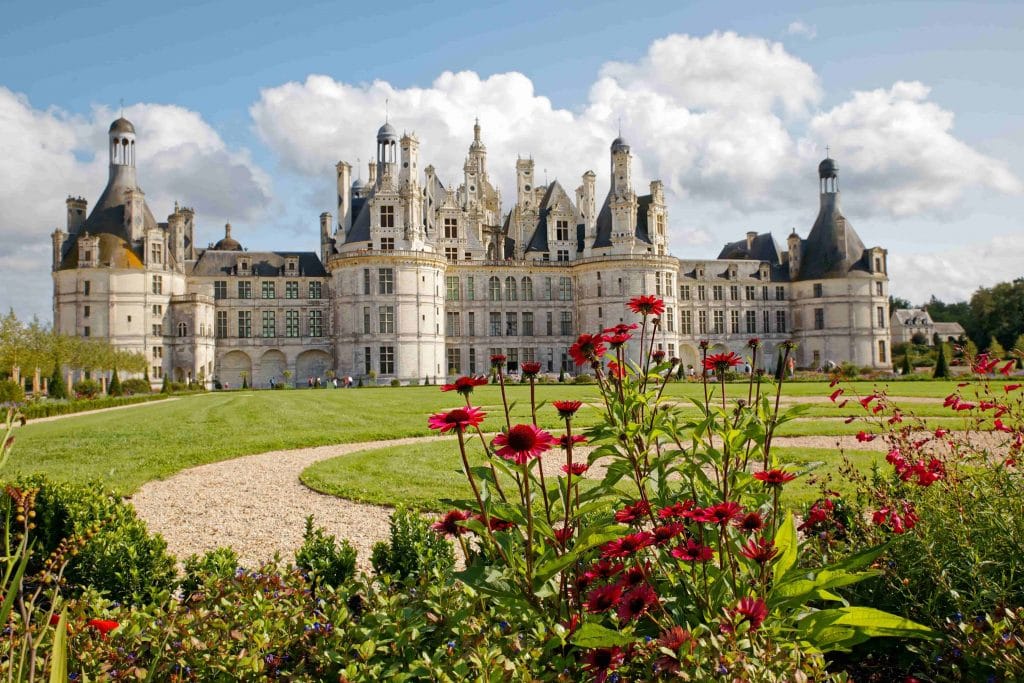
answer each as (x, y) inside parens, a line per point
(242, 110)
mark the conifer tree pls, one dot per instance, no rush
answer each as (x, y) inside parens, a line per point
(56, 386)
(906, 367)
(941, 365)
(115, 388)
(165, 388)
(995, 349)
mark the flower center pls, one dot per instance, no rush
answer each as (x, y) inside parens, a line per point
(521, 438)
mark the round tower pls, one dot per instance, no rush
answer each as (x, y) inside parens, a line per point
(121, 146)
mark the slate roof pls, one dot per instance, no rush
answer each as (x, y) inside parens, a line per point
(212, 262)
(832, 249)
(763, 248)
(604, 221)
(360, 231)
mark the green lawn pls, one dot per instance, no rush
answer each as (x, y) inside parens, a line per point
(425, 474)
(126, 448)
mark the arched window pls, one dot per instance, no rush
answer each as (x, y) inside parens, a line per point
(182, 330)
(494, 289)
(510, 288)
(527, 289)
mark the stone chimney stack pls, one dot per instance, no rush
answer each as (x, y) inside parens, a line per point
(77, 212)
(344, 196)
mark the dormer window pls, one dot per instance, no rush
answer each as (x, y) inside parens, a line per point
(244, 264)
(291, 264)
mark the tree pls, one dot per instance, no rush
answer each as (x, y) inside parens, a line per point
(56, 387)
(1018, 346)
(995, 349)
(245, 380)
(941, 365)
(896, 303)
(906, 368)
(165, 388)
(779, 370)
(919, 339)
(998, 311)
(115, 388)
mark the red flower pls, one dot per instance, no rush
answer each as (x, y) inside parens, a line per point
(1007, 369)
(530, 369)
(863, 436)
(632, 513)
(760, 550)
(1012, 387)
(601, 661)
(615, 370)
(836, 394)
(621, 328)
(752, 610)
(666, 532)
(899, 523)
(563, 534)
(104, 626)
(722, 513)
(464, 385)
(658, 356)
(564, 440)
(617, 340)
(522, 442)
(498, 360)
(1000, 427)
(774, 477)
(587, 349)
(448, 525)
(636, 602)
(627, 545)
(722, 361)
(677, 510)
(603, 598)
(566, 408)
(457, 419)
(692, 552)
(647, 304)
(750, 522)
(577, 468)
(495, 523)
(866, 401)
(753, 342)
(603, 569)
(634, 576)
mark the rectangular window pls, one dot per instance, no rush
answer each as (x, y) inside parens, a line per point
(719, 327)
(366, 320)
(316, 290)
(670, 319)
(511, 324)
(750, 292)
(527, 324)
(452, 327)
(158, 352)
(471, 323)
(472, 361)
(702, 293)
(566, 323)
(734, 292)
(548, 295)
(526, 284)
(495, 324)
(86, 331)
(86, 287)
(563, 255)
(244, 289)
(881, 351)
(387, 216)
(451, 254)
(156, 253)
(220, 289)
(244, 324)
(222, 324)
(702, 322)
(454, 360)
(780, 322)
(158, 284)
(764, 292)
(764, 322)
(291, 290)
(158, 330)
(717, 293)
(366, 280)
(817, 290)
(751, 322)
(734, 322)
(494, 289)
(387, 243)
(562, 232)
(512, 362)
(657, 283)
(550, 326)
(387, 319)
(686, 322)
(386, 280)
(880, 314)
(819, 318)
(780, 293)
(269, 324)
(565, 289)
(316, 323)
(528, 355)
(878, 289)
(684, 292)
(367, 360)
(816, 359)
(470, 289)
(157, 310)
(269, 290)
(85, 311)
(668, 284)
(451, 287)
(387, 360)
(291, 322)
(451, 228)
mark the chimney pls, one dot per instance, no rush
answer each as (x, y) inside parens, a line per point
(76, 213)
(325, 235)
(751, 236)
(373, 175)
(58, 245)
(344, 197)
(794, 244)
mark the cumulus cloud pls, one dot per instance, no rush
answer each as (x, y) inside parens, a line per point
(953, 275)
(799, 28)
(45, 155)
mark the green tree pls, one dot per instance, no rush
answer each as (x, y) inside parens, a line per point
(995, 349)
(896, 303)
(906, 368)
(56, 386)
(1018, 347)
(115, 388)
(998, 311)
(165, 388)
(941, 365)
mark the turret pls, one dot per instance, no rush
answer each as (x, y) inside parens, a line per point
(524, 182)
(58, 236)
(793, 242)
(586, 200)
(410, 148)
(134, 213)
(122, 150)
(326, 222)
(77, 211)
(344, 197)
(622, 200)
(176, 235)
(387, 153)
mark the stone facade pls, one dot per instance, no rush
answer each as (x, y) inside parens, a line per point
(908, 322)
(417, 279)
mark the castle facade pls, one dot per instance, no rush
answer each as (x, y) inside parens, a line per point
(417, 279)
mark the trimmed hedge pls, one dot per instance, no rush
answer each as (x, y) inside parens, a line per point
(34, 411)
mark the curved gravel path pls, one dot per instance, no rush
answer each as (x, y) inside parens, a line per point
(257, 505)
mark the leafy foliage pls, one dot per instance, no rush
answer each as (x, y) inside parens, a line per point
(324, 558)
(414, 550)
(11, 391)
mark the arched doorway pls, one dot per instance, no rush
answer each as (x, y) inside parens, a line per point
(312, 363)
(231, 367)
(272, 367)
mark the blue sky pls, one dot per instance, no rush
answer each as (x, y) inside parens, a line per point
(237, 128)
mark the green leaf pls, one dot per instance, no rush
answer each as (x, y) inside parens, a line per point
(844, 627)
(59, 661)
(595, 635)
(786, 542)
(13, 584)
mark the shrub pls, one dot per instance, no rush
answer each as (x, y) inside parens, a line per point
(115, 388)
(11, 391)
(86, 388)
(121, 560)
(906, 368)
(583, 378)
(211, 567)
(56, 388)
(136, 386)
(396, 382)
(327, 561)
(941, 364)
(848, 370)
(414, 549)
(166, 388)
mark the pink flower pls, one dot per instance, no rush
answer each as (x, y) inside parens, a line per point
(752, 610)
(522, 442)
(632, 513)
(722, 513)
(449, 524)
(864, 436)
(577, 468)
(774, 477)
(1007, 369)
(760, 550)
(566, 408)
(456, 420)
(1011, 387)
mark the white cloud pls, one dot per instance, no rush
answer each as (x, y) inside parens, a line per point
(953, 275)
(45, 155)
(799, 28)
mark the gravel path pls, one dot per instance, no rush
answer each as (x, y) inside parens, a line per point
(257, 505)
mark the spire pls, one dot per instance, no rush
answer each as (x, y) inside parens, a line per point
(476, 130)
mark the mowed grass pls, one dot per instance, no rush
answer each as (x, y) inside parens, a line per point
(424, 475)
(126, 448)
